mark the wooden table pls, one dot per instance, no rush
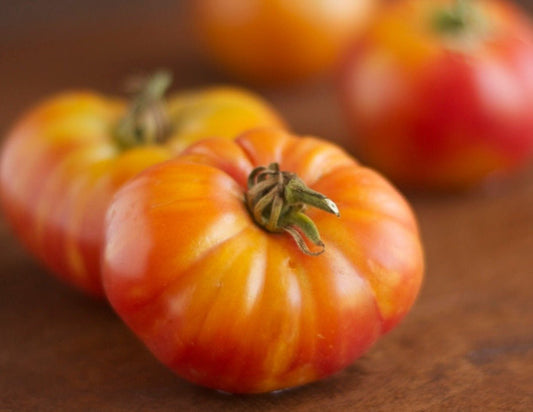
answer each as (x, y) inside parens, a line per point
(467, 344)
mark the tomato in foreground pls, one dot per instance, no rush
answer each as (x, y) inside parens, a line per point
(62, 162)
(279, 41)
(439, 93)
(232, 266)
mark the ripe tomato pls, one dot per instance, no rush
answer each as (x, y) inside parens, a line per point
(278, 41)
(440, 93)
(207, 259)
(64, 159)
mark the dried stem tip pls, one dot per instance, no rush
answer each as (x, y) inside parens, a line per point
(277, 201)
(146, 121)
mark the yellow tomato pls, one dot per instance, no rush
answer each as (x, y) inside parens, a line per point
(64, 159)
(278, 41)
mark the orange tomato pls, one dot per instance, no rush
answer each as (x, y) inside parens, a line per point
(209, 259)
(278, 41)
(439, 93)
(63, 161)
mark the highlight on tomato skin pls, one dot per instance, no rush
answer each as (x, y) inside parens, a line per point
(63, 160)
(278, 41)
(438, 94)
(199, 265)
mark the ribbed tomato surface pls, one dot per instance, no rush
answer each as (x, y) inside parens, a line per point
(227, 304)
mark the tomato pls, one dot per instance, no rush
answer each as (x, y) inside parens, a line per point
(62, 162)
(278, 41)
(217, 264)
(439, 93)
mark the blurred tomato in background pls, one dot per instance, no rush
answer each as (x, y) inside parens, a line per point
(278, 41)
(63, 160)
(439, 94)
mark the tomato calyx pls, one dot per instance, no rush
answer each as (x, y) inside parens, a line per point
(146, 121)
(277, 201)
(462, 18)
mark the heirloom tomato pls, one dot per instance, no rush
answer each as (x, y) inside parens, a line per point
(440, 93)
(64, 159)
(278, 41)
(230, 263)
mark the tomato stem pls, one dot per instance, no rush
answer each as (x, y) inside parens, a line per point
(277, 201)
(146, 121)
(457, 18)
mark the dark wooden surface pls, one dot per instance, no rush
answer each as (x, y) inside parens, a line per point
(467, 344)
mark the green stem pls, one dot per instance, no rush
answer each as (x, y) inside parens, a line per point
(277, 201)
(454, 19)
(146, 121)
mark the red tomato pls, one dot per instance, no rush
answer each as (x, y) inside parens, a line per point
(62, 162)
(278, 41)
(440, 93)
(206, 260)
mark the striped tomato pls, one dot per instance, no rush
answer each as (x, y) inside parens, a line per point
(227, 264)
(62, 162)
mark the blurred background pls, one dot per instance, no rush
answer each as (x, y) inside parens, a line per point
(48, 46)
(467, 345)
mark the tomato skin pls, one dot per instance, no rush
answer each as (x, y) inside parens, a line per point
(431, 112)
(278, 41)
(228, 305)
(59, 168)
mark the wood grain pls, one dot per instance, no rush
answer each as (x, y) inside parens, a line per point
(467, 345)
